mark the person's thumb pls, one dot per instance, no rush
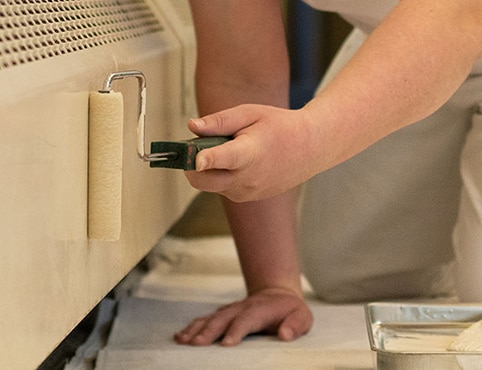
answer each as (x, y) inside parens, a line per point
(226, 122)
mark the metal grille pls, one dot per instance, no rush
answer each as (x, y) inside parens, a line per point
(32, 30)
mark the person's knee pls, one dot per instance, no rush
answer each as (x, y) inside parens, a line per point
(406, 284)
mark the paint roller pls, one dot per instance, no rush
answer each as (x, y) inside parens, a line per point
(106, 121)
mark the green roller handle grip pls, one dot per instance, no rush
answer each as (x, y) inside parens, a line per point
(182, 154)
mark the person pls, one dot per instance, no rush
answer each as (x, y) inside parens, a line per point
(378, 148)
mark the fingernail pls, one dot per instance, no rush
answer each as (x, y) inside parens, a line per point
(198, 122)
(200, 164)
(227, 341)
(180, 338)
(286, 334)
(198, 340)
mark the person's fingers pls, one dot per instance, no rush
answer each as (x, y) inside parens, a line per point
(216, 167)
(189, 332)
(295, 325)
(232, 155)
(240, 327)
(225, 122)
(206, 330)
(214, 181)
(280, 314)
(213, 329)
(253, 320)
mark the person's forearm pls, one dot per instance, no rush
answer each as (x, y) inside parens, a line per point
(247, 62)
(408, 67)
(265, 230)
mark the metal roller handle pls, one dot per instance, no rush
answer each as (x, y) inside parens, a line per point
(141, 120)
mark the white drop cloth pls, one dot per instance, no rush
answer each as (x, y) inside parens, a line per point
(170, 296)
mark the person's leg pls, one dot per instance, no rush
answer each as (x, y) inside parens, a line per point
(467, 234)
(379, 225)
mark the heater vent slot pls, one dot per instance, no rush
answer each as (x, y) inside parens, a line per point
(32, 30)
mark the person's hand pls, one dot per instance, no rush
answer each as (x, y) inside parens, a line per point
(275, 311)
(273, 150)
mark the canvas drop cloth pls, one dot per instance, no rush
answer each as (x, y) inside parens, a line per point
(193, 277)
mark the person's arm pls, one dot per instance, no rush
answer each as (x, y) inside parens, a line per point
(408, 67)
(242, 58)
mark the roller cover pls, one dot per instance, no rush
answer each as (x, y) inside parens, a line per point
(105, 165)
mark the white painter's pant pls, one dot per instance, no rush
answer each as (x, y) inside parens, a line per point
(380, 225)
(467, 234)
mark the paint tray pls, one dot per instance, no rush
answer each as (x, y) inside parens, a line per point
(416, 336)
